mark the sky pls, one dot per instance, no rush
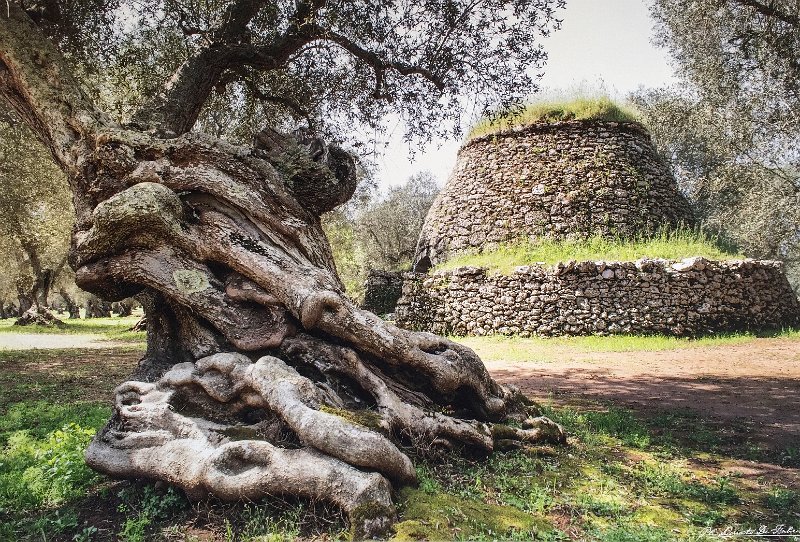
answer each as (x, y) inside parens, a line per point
(601, 44)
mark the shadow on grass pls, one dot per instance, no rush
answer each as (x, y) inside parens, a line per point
(751, 418)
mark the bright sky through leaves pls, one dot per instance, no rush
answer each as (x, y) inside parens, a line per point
(602, 43)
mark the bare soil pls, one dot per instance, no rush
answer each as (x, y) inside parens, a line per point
(31, 341)
(751, 388)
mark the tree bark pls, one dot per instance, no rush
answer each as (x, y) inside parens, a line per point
(260, 376)
(97, 308)
(123, 308)
(72, 308)
(25, 300)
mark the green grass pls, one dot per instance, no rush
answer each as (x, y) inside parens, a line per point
(622, 478)
(577, 108)
(113, 329)
(668, 245)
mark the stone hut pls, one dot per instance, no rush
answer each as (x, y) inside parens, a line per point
(569, 179)
(566, 180)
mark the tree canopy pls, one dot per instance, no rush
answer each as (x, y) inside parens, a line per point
(731, 130)
(327, 64)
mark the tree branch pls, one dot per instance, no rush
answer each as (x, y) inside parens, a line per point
(380, 65)
(769, 10)
(293, 105)
(38, 85)
(176, 108)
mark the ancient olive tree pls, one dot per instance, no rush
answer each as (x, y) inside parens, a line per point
(222, 243)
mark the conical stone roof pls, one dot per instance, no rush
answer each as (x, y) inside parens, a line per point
(570, 179)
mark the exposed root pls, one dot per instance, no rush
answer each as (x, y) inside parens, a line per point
(398, 415)
(150, 439)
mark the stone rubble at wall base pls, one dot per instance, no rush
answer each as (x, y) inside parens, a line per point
(692, 297)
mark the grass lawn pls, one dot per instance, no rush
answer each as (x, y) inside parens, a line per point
(115, 328)
(621, 478)
(502, 348)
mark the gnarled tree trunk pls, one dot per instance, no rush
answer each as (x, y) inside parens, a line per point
(260, 376)
(97, 308)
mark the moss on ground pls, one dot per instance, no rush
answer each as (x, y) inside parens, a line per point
(441, 516)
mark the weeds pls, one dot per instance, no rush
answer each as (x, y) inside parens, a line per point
(143, 506)
(782, 499)
(45, 472)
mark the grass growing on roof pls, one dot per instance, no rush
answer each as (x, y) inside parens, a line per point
(578, 108)
(669, 245)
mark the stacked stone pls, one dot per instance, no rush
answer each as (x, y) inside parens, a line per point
(691, 297)
(382, 290)
(571, 179)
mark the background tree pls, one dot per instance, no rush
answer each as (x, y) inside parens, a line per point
(35, 216)
(731, 131)
(378, 231)
(389, 229)
(223, 244)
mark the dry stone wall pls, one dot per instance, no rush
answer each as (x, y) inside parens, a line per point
(561, 180)
(690, 297)
(382, 289)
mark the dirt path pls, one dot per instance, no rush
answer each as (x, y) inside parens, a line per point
(753, 386)
(31, 341)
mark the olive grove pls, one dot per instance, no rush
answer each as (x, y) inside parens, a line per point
(260, 376)
(35, 221)
(731, 128)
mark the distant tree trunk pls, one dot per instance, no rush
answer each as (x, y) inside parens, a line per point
(42, 276)
(97, 308)
(72, 308)
(41, 288)
(25, 300)
(126, 307)
(3, 313)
